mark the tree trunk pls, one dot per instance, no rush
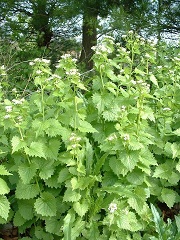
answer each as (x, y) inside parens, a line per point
(89, 39)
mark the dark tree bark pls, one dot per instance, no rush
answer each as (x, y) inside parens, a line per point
(89, 39)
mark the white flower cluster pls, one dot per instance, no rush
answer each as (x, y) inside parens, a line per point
(18, 102)
(65, 56)
(75, 140)
(126, 137)
(39, 60)
(99, 49)
(112, 207)
(8, 109)
(141, 83)
(73, 72)
(112, 137)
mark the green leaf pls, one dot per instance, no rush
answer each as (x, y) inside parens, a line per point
(26, 191)
(64, 175)
(52, 127)
(4, 189)
(53, 226)
(158, 222)
(36, 149)
(177, 132)
(67, 227)
(3, 171)
(77, 229)
(163, 170)
(169, 197)
(45, 205)
(18, 219)
(117, 166)
(153, 79)
(27, 172)
(129, 159)
(71, 196)
(26, 208)
(81, 208)
(47, 169)
(177, 219)
(128, 222)
(4, 207)
(136, 177)
(52, 148)
(86, 127)
(98, 102)
(175, 150)
(17, 144)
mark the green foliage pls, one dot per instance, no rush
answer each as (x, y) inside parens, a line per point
(85, 158)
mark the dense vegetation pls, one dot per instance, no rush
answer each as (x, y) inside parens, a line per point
(89, 147)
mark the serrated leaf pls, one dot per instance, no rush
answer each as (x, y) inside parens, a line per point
(86, 127)
(53, 226)
(64, 174)
(27, 172)
(4, 207)
(40, 233)
(4, 189)
(77, 229)
(67, 227)
(52, 148)
(26, 191)
(128, 222)
(71, 196)
(52, 127)
(17, 144)
(178, 166)
(47, 169)
(26, 209)
(177, 132)
(163, 170)
(36, 149)
(81, 208)
(169, 197)
(129, 159)
(158, 222)
(117, 166)
(98, 102)
(175, 150)
(136, 177)
(45, 205)
(18, 219)
(3, 171)
(153, 79)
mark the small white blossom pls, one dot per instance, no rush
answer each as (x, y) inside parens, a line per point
(112, 137)
(8, 108)
(112, 207)
(123, 49)
(45, 61)
(133, 82)
(130, 32)
(38, 71)
(7, 116)
(159, 67)
(126, 137)
(3, 67)
(65, 56)
(73, 72)
(18, 102)
(176, 58)
(166, 109)
(124, 36)
(14, 90)
(123, 108)
(31, 63)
